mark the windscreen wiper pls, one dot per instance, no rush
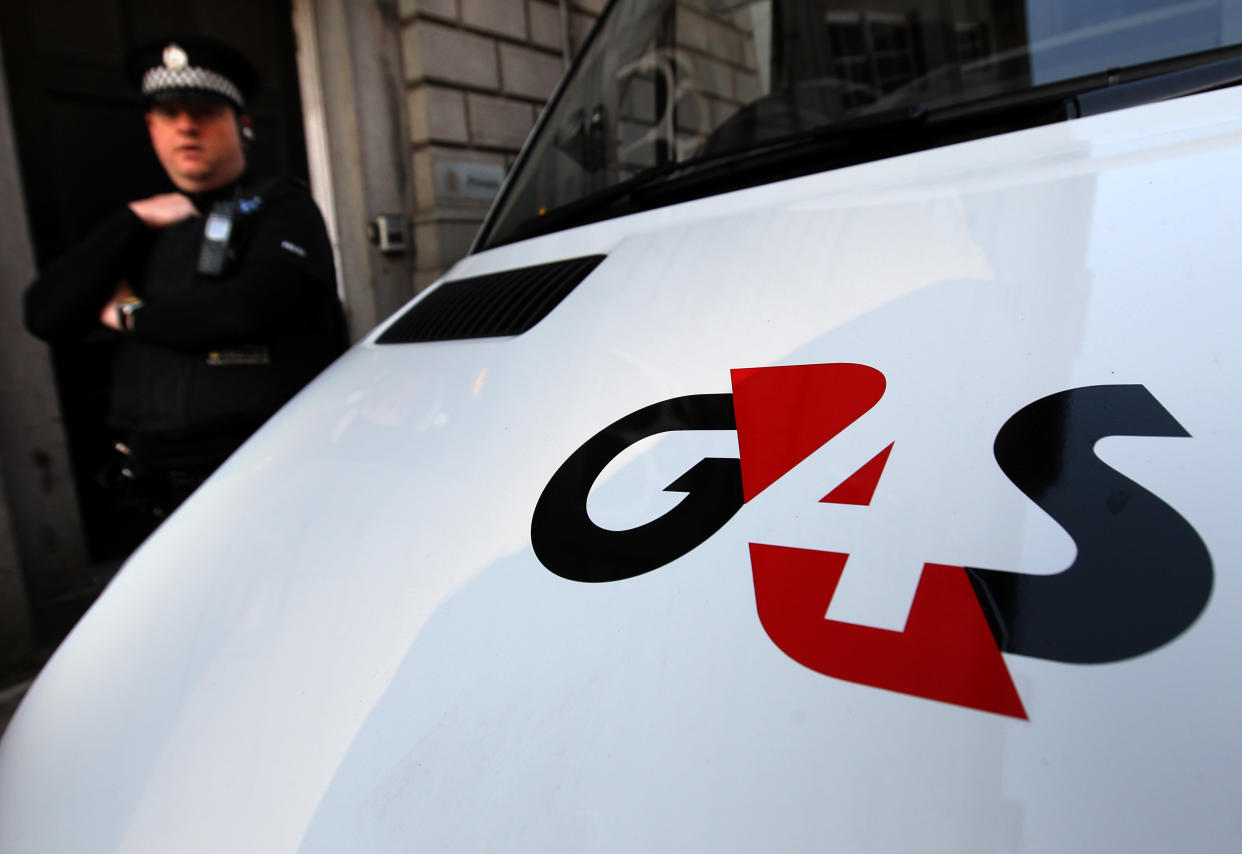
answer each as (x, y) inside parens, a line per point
(1163, 86)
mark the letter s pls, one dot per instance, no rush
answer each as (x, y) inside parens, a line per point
(1142, 574)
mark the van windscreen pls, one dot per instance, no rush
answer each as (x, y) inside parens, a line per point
(677, 99)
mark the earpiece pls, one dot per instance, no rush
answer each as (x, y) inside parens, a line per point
(247, 133)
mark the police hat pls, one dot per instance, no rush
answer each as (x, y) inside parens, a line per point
(191, 67)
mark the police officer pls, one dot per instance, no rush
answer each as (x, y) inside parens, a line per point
(222, 294)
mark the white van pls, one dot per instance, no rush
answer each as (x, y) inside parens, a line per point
(833, 443)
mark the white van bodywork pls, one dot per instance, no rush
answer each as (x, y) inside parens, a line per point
(347, 641)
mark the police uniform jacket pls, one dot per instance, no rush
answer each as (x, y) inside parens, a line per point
(206, 354)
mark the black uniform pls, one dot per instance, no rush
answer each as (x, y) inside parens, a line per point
(209, 357)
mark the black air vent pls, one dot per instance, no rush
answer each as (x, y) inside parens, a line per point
(498, 304)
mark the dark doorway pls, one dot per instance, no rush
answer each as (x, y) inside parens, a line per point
(84, 152)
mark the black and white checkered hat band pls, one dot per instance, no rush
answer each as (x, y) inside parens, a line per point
(161, 79)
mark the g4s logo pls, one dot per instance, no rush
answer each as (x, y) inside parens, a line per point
(1141, 576)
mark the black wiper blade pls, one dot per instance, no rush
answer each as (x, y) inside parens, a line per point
(1162, 86)
(603, 204)
(852, 131)
(905, 124)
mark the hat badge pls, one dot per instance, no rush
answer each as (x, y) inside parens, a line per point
(175, 58)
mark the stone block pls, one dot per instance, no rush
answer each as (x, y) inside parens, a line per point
(444, 53)
(498, 122)
(504, 17)
(427, 246)
(725, 43)
(714, 78)
(440, 243)
(545, 24)
(437, 114)
(592, 6)
(424, 183)
(529, 72)
(693, 114)
(692, 30)
(638, 99)
(454, 238)
(438, 8)
(580, 24)
(748, 88)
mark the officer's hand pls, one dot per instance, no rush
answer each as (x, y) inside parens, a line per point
(163, 210)
(108, 315)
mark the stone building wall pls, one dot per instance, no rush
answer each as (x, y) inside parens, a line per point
(477, 73)
(718, 59)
